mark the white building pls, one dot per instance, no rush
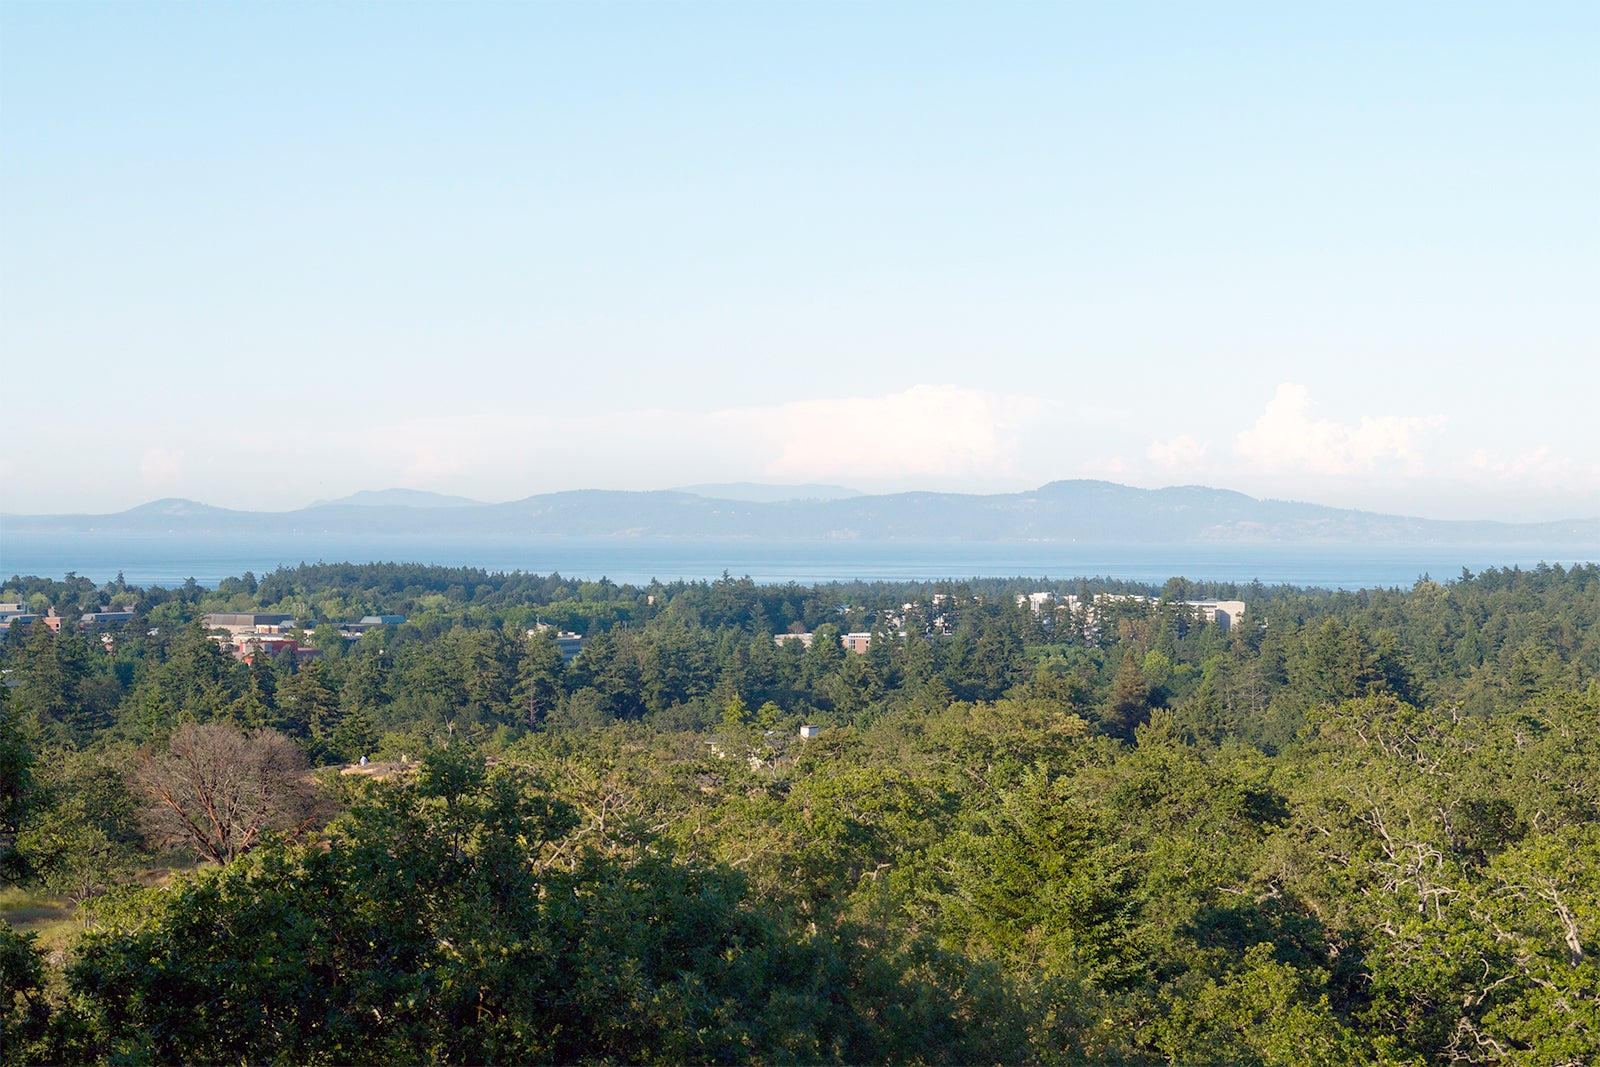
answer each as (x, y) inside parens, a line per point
(1222, 612)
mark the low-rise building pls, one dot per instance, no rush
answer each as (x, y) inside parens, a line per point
(105, 617)
(90, 620)
(1038, 603)
(248, 622)
(247, 648)
(852, 642)
(1224, 613)
(353, 630)
(568, 643)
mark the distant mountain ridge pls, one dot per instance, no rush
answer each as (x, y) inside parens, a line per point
(1069, 511)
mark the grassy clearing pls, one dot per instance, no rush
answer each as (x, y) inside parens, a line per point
(51, 918)
(23, 908)
(55, 919)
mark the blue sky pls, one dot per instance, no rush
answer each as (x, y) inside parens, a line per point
(258, 255)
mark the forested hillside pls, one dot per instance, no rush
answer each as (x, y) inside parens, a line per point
(1093, 828)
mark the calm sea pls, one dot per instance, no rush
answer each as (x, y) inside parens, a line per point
(170, 560)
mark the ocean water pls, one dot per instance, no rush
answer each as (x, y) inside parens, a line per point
(170, 560)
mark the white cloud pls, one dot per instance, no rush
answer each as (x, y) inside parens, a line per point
(1179, 453)
(1538, 463)
(1286, 439)
(160, 466)
(1109, 467)
(927, 431)
(1536, 474)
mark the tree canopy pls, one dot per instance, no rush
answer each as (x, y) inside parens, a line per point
(1352, 828)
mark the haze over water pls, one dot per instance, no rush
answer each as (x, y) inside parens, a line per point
(171, 560)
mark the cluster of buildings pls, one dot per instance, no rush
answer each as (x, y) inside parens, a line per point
(853, 642)
(245, 634)
(249, 634)
(22, 616)
(939, 623)
(1061, 608)
(1222, 613)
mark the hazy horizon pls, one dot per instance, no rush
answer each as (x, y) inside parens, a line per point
(363, 498)
(260, 255)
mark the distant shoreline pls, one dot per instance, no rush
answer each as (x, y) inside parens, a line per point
(171, 559)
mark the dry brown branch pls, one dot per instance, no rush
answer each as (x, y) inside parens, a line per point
(218, 789)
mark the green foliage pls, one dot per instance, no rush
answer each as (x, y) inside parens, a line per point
(91, 829)
(1356, 828)
(22, 797)
(431, 929)
(24, 1007)
(1033, 881)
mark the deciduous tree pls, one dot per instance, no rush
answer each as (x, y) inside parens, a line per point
(218, 789)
